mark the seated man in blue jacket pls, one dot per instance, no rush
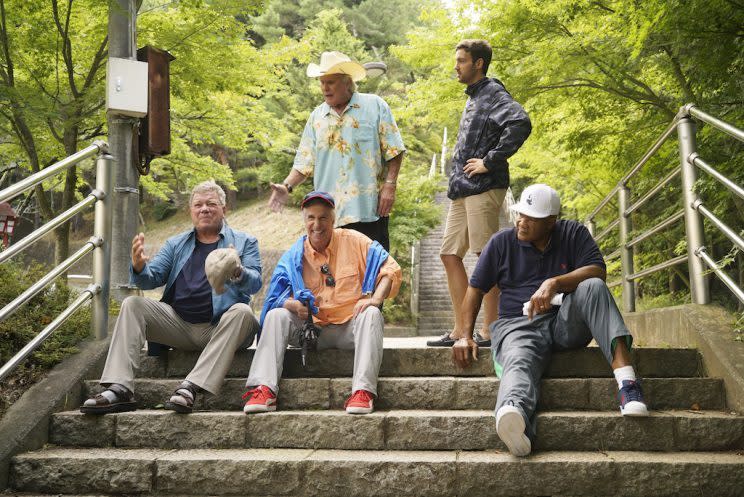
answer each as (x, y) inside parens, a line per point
(343, 276)
(192, 315)
(531, 264)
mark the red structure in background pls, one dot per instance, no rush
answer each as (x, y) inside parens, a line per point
(7, 222)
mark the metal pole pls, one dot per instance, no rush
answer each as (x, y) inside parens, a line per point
(102, 256)
(626, 253)
(693, 219)
(591, 225)
(443, 158)
(122, 43)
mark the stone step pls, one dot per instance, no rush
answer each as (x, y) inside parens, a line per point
(330, 473)
(411, 357)
(398, 430)
(448, 392)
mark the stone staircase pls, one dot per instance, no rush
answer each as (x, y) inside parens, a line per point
(435, 307)
(433, 434)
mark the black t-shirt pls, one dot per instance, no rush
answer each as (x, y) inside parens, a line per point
(519, 269)
(191, 293)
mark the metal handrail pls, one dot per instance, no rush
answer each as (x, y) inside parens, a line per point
(35, 342)
(13, 191)
(731, 234)
(714, 121)
(99, 244)
(695, 159)
(608, 229)
(693, 210)
(653, 191)
(32, 237)
(703, 254)
(659, 227)
(45, 281)
(658, 267)
(649, 153)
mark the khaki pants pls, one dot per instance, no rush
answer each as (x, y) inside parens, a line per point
(143, 319)
(471, 221)
(281, 327)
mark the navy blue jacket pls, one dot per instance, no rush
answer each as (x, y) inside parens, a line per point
(492, 127)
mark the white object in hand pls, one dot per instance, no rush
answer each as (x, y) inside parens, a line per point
(556, 300)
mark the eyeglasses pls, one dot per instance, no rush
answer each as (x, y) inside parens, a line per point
(329, 277)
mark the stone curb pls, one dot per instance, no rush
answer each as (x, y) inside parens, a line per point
(709, 328)
(25, 426)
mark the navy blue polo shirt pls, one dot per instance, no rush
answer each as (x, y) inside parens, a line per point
(519, 269)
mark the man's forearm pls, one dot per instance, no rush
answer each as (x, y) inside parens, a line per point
(469, 311)
(294, 178)
(568, 282)
(383, 289)
(393, 168)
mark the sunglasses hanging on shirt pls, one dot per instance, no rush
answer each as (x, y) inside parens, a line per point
(329, 280)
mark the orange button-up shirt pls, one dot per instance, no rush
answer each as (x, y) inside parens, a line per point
(346, 257)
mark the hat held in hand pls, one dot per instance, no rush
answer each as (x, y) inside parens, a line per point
(220, 266)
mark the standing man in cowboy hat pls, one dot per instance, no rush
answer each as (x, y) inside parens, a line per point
(352, 148)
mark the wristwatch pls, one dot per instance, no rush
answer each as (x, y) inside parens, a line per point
(288, 187)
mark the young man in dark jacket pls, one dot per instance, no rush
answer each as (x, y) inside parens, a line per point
(492, 128)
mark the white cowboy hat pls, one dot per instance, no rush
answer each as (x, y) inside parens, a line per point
(336, 63)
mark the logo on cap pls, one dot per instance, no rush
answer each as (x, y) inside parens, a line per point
(529, 199)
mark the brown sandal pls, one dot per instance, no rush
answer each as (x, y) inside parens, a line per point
(181, 401)
(123, 401)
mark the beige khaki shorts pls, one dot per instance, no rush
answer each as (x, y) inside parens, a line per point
(471, 221)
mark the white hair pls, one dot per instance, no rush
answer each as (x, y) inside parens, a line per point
(350, 83)
(207, 187)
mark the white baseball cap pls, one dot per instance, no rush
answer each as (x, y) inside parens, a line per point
(538, 201)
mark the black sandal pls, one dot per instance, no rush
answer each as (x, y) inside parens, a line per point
(187, 391)
(99, 404)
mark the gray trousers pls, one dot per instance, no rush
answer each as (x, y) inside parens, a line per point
(521, 348)
(281, 327)
(143, 319)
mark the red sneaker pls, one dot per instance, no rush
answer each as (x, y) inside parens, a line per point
(360, 402)
(260, 399)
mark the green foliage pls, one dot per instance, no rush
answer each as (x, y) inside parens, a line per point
(601, 81)
(29, 320)
(163, 210)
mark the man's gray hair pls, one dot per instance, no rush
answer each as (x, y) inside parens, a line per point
(207, 187)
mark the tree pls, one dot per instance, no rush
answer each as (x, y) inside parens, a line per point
(601, 80)
(51, 60)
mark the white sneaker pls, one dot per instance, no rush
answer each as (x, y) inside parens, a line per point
(510, 427)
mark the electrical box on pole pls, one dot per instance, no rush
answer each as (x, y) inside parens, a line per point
(154, 138)
(126, 87)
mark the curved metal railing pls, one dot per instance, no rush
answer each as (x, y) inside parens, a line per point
(99, 243)
(693, 210)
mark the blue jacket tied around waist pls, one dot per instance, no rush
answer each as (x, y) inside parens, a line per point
(287, 278)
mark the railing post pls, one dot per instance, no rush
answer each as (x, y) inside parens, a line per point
(102, 230)
(693, 219)
(626, 253)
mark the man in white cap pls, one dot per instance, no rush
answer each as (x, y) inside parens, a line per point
(204, 306)
(352, 148)
(532, 265)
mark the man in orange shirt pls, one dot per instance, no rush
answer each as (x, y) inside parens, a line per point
(347, 276)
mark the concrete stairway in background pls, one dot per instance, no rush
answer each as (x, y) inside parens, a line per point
(435, 307)
(433, 434)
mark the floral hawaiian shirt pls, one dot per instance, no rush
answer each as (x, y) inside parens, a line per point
(346, 153)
